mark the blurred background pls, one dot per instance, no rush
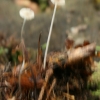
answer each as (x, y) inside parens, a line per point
(78, 20)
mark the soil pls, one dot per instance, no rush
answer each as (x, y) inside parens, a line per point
(73, 14)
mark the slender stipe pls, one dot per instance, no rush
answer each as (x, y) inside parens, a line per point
(48, 40)
(23, 28)
(22, 67)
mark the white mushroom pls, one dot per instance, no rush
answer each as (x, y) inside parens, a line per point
(26, 13)
(58, 2)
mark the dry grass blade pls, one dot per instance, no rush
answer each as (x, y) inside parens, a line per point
(39, 55)
(51, 88)
(49, 72)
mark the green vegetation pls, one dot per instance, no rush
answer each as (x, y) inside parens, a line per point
(98, 48)
(95, 83)
(43, 4)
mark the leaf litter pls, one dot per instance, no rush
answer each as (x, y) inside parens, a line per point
(66, 75)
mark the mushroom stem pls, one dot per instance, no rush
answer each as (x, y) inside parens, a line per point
(48, 40)
(22, 28)
(22, 67)
(23, 63)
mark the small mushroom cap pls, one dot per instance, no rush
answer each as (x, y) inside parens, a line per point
(26, 13)
(58, 2)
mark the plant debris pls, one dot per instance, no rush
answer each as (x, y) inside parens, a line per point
(66, 75)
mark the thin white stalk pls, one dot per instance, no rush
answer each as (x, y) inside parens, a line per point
(23, 28)
(22, 67)
(23, 64)
(48, 40)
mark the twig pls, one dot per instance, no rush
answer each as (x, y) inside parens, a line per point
(49, 72)
(51, 88)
